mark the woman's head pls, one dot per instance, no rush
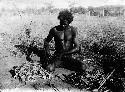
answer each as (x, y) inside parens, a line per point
(65, 17)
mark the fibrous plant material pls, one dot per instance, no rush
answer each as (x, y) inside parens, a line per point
(29, 72)
(90, 79)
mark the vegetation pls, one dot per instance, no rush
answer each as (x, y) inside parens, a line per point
(115, 10)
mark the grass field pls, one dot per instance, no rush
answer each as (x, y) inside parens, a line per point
(90, 29)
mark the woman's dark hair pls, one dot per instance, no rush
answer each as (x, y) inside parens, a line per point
(66, 14)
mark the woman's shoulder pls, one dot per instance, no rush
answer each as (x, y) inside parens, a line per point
(73, 29)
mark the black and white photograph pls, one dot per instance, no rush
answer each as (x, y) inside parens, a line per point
(62, 45)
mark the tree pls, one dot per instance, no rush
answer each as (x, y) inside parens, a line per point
(91, 10)
(79, 10)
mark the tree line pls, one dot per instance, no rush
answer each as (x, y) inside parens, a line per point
(90, 11)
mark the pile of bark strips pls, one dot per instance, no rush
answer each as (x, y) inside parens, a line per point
(30, 72)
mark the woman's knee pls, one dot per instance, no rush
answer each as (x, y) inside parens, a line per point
(50, 67)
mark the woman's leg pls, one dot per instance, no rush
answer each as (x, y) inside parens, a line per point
(73, 64)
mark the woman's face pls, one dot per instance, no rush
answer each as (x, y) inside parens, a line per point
(64, 22)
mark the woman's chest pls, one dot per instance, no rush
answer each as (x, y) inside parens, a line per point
(63, 35)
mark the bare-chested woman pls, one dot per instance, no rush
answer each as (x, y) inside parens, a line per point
(66, 43)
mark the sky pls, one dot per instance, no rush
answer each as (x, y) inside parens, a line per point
(22, 4)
